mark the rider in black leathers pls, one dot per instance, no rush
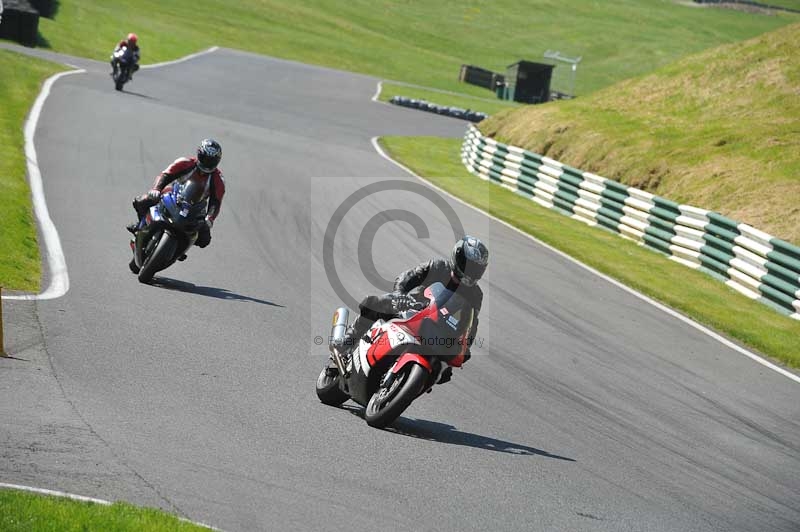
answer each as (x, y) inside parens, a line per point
(461, 273)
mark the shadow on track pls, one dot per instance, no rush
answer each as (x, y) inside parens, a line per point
(208, 291)
(444, 433)
(140, 95)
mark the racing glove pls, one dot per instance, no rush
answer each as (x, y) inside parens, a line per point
(154, 194)
(401, 302)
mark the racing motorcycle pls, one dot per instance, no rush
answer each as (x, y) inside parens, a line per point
(169, 229)
(123, 66)
(398, 360)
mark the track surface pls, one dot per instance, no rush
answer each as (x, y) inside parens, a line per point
(585, 409)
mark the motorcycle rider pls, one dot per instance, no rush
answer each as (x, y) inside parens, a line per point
(467, 263)
(132, 43)
(204, 165)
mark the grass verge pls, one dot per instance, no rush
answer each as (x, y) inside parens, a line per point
(22, 512)
(718, 130)
(19, 259)
(414, 41)
(691, 292)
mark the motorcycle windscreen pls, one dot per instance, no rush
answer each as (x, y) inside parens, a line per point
(190, 195)
(447, 334)
(192, 189)
(124, 54)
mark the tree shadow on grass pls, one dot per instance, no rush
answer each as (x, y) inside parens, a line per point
(41, 41)
(444, 433)
(208, 291)
(53, 5)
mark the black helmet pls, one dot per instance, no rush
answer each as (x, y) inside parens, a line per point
(209, 154)
(470, 258)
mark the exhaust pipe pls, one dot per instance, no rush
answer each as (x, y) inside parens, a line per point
(339, 325)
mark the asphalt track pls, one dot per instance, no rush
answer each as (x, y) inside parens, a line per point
(584, 409)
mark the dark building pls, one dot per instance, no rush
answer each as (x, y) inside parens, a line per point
(529, 82)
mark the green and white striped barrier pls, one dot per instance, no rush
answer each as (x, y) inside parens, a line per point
(750, 261)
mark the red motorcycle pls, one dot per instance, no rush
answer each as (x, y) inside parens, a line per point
(400, 359)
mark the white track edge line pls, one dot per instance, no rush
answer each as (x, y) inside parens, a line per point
(57, 264)
(378, 92)
(59, 284)
(616, 283)
(55, 493)
(182, 59)
(82, 498)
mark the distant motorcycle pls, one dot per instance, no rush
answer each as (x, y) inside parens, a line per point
(169, 229)
(397, 360)
(123, 66)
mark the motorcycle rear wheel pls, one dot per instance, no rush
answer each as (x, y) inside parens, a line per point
(386, 405)
(328, 389)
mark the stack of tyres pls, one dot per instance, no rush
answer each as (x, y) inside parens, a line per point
(423, 105)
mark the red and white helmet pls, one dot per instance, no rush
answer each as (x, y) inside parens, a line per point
(132, 38)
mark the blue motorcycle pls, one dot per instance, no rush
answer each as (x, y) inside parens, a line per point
(168, 229)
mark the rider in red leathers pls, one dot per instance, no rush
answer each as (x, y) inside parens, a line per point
(131, 42)
(205, 167)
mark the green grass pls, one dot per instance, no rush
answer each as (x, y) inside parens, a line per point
(19, 260)
(410, 40)
(474, 103)
(691, 292)
(416, 41)
(719, 130)
(24, 512)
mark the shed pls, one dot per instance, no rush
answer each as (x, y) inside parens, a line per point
(529, 82)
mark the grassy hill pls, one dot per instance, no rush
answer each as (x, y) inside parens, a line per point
(719, 130)
(415, 41)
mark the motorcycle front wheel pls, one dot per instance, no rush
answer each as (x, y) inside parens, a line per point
(120, 77)
(387, 404)
(159, 259)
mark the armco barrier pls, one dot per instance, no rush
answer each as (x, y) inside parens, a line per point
(750, 261)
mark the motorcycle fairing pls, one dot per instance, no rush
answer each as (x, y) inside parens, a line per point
(409, 357)
(385, 338)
